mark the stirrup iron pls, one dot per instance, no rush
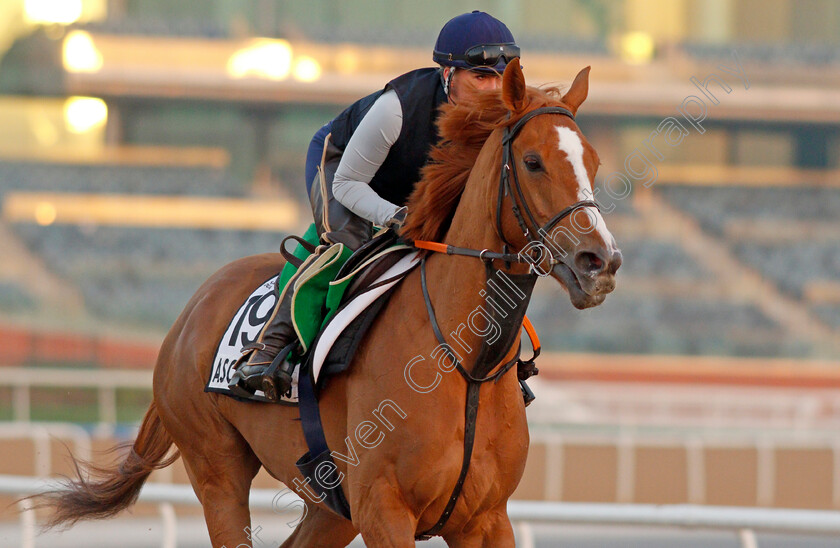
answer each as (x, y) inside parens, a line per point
(277, 379)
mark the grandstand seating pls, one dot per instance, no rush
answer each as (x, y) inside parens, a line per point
(792, 266)
(158, 26)
(14, 298)
(792, 261)
(814, 54)
(715, 205)
(129, 274)
(61, 177)
(656, 258)
(334, 33)
(637, 323)
(140, 275)
(667, 300)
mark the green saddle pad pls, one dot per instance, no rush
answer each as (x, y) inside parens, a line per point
(317, 294)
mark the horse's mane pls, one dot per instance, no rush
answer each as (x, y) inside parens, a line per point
(463, 131)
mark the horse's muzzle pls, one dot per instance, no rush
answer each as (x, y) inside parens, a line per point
(590, 277)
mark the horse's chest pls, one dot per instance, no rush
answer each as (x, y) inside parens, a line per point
(496, 463)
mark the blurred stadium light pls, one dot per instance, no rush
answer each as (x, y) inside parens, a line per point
(306, 69)
(80, 54)
(263, 58)
(83, 114)
(61, 12)
(637, 47)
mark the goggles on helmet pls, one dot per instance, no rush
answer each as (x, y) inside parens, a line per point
(484, 55)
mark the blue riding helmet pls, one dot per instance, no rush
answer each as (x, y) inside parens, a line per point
(475, 41)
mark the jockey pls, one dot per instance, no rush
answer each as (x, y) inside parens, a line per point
(362, 166)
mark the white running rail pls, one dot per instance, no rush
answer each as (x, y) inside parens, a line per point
(743, 521)
(106, 382)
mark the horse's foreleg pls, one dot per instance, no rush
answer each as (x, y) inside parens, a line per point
(321, 528)
(489, 530)
(383, 518)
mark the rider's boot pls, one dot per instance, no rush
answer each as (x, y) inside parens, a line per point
(268, 367)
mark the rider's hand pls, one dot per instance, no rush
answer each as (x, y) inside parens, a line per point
(398, 219)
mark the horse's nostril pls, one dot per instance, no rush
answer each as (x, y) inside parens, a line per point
(589, 263)
(615, 261)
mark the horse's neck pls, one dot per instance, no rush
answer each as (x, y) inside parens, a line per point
(458, 285)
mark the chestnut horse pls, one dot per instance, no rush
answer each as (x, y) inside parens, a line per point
(401, 448)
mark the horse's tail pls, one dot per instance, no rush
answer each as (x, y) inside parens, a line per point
(101, 492)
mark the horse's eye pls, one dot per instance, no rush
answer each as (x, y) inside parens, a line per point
(532, 163)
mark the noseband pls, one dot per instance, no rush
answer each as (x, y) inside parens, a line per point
(509, 186)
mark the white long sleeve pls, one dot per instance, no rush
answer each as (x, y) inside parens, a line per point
(364, 155)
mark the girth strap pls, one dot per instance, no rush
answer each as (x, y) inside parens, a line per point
(327, 486)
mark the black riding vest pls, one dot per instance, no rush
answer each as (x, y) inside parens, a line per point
(420, 93)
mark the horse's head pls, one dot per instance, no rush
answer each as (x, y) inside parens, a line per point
(550, 166)
(536, 196)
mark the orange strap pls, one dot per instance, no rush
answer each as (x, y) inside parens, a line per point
(532, 333)
(483, 254)
(431, 246)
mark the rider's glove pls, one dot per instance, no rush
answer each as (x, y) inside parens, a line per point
(398, 219)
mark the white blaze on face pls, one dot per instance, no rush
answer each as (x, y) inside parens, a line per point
(571, 144)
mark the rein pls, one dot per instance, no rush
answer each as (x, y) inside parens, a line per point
(508, 186)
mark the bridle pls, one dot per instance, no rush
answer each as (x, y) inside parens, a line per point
(509, 186)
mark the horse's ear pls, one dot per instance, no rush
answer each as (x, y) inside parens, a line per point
(513, 87)
(578, 92)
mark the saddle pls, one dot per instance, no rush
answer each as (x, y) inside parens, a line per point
(334, 278)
